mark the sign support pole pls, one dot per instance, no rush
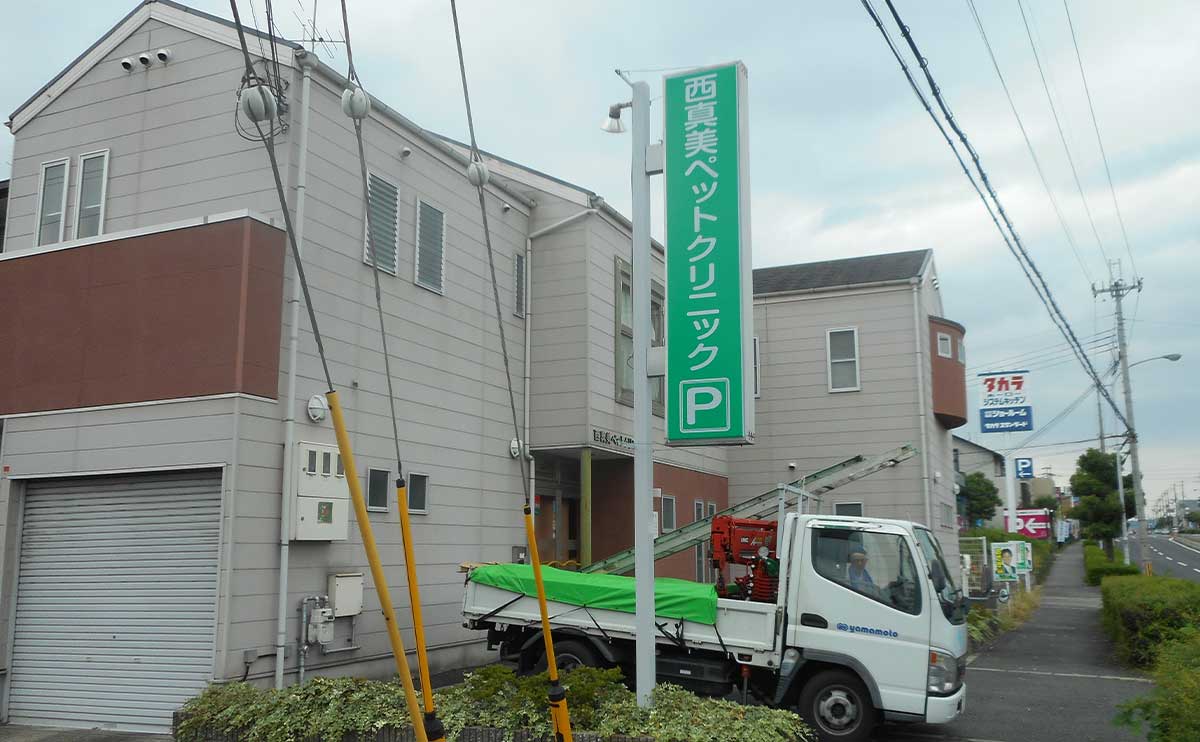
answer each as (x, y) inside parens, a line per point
(643, 462)
(1010, 494)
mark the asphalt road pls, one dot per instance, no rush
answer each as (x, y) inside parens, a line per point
(1170, 558)
(1054, 678)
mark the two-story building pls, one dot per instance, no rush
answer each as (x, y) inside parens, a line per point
(855, 357)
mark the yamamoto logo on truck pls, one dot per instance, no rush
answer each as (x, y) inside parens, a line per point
(867, 630)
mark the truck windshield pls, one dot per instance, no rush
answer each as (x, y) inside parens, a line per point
(949, 596)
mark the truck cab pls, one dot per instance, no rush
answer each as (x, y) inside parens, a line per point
(875, 625)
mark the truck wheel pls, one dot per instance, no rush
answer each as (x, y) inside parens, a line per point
(569, 655)
(837, 705)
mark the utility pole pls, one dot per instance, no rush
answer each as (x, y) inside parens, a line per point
(1100, 418)
(1121, 496)
(1118, 289)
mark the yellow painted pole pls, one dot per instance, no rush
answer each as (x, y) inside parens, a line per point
(585, 507)
(377, 575)
(433, 727)
(559, 715)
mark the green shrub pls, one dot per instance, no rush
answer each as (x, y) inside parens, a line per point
(1140, 613)
(1090, 542)
(1172, 710)
(332, 708)
(1097, 565)
(1043, 549)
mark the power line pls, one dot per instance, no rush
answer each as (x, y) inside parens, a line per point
(1039, 354)
(1100, 141)
(1058, 123)
(1014, 244)
(1029, 145)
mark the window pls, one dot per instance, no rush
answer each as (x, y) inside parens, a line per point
(52, 201)
(383, 200)
(340, 469)
(311, 467)
(700, 549)
(666, 511)
(947, 512)
(962, 351)
(757, 371)
(1000, 467)
(326, 463)
(957, 466)
(945, 345)
(519, 285)
(878, 566)
(712, 509)
(90, 192)
(624, 335)
(848, 508)
(431, 246)
(842, 350)
(378, 483)
(418, 493)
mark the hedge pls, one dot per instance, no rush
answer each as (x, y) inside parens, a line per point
(1097, 565)
(338, 709)
(1140, 613)
(1043, 549)
(1172, 710)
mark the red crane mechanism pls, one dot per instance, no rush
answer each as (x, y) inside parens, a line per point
(749, 544)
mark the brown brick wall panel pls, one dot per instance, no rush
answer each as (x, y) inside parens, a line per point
(143, 318)
(949, 376)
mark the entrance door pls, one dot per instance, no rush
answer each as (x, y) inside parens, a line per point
(116, 599)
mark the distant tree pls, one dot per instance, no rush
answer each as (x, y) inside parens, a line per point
(982, 497)
(1193, 517)
(1046, 502)
(1099, 510)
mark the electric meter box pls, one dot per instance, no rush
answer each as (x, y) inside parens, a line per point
(345, 592)
(320, 495)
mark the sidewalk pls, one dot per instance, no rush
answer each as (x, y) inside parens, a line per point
(1054, 678)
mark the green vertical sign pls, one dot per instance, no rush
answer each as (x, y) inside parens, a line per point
(709, 389)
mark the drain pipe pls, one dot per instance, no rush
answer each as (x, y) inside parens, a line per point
(528, 332)
(289, 420)
(921, 339)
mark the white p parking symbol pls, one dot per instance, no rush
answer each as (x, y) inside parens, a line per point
(713, 399)
(705, 405)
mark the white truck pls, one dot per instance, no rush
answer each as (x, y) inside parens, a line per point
(865, 625)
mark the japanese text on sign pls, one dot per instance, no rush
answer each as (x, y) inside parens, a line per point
(1004, 402)
(708, 258)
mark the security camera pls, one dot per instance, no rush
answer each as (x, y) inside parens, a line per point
(144, 59)
(506, 208)
(791, 466)
(127, 64)
(405, 151)
(164, 55)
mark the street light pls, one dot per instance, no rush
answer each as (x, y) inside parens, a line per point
(1168, 357)
(643, 463)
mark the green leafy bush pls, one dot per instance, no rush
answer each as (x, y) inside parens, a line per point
(1140, 613)
(1097, 565)
(1090, 542)
(1172, 710)
(331, 708)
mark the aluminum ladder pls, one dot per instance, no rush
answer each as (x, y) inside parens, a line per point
(809, 487)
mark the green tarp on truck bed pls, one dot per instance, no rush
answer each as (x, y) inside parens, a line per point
(691, 601)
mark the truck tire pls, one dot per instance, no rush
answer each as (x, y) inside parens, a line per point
(837, 705)
(569, 654)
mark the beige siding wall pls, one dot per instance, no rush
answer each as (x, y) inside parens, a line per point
(173, 153)
(799, 420)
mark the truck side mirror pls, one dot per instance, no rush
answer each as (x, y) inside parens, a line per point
(938, 576)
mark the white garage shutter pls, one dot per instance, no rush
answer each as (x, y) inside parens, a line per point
(116, 599)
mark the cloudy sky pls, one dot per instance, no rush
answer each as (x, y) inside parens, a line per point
(844, 161)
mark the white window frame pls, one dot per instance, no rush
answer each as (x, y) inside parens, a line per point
(658, 294)
(520, 285)
(408, 493)
(441, 290)
(62, 209)
(662, 509)
(368, 258)
(829, 361)
(103, 191)
(376, 508)
(949, 352)
(862, 508)
(962, 351)
(712, 509)
(757, 368)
